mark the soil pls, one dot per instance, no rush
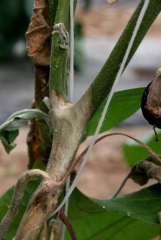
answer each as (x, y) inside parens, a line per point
(110, 20)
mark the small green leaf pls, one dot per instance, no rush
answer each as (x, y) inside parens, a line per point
(8, 138)
(123, 105)
(91, 219)
(134, 153)
(18, 119)
(9, 130)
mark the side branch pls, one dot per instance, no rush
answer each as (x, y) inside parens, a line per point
(101, 86)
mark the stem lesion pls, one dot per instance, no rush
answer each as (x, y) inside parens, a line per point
(17, 196)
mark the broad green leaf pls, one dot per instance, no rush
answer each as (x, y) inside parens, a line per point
(143, 205)
(5, 202)
(92, 220)
(134, 153)
(123, 105)
(9, 130)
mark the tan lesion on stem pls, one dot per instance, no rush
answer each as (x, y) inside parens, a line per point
(69, 122)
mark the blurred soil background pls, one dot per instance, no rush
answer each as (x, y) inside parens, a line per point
(102, 25)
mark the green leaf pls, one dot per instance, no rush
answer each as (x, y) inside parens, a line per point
(123, 105)
(5, 202)
(134, 153)
(8, 138)
(9, 129)
(91, 221)
(143, 205)
(18, 119)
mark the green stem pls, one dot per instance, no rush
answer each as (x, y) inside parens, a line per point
(105, 79)
(58, 65)
(53, 4)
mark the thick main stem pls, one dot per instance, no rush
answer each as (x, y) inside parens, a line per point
(69, 122)
(39, 209)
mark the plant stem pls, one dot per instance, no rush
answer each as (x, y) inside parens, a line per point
(53, 4)
(58, 62)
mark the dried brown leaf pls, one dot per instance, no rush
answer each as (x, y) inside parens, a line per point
(38, 36)
(146, 169)
(154, 98)
(151, 102)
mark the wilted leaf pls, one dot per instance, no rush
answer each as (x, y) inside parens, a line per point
(146, 169)
(8, 138)
(151, 103)
(10, 128)
(18, 119)
(38, 35)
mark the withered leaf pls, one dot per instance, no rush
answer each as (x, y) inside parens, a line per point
(38, 36)
(151, 103)
(146, 169)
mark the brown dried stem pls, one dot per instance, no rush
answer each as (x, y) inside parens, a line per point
(67, 223)
(105, 136)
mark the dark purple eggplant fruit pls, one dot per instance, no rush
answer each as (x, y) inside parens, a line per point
(151, 103)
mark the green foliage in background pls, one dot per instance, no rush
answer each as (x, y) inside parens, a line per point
(134, 153)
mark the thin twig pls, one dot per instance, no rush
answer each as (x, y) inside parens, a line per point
(121, 185)
(67, 186)
(84, 152)
(67, 223)
(108, 135)
(17, 195)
